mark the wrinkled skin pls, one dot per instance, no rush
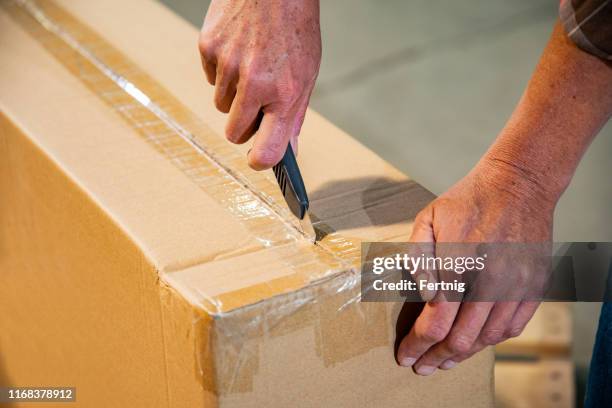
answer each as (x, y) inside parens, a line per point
(262, 56)
(510, 196)
(447, 333)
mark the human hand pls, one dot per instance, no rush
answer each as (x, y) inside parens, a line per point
(263, 58)
(495, 203)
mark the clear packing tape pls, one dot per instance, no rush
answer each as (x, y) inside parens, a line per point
(323, 322)
(159, 118)
(324, 283)
(172, 129)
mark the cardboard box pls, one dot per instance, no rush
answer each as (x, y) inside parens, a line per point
(144, 264)
(543, 383)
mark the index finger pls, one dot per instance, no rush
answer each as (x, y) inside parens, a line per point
(271, 141)
(430, 328)
(422, 243)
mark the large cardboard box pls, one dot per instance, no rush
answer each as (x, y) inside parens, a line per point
(143, 263)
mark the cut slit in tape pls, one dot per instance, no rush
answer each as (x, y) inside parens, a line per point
(171, 128)
(322, 274)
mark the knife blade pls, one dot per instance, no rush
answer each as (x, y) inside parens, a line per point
(292, 186)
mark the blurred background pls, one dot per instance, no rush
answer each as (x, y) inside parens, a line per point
(428, 84)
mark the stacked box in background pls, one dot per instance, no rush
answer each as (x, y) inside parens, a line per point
(536, 369)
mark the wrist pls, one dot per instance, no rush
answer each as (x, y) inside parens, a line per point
(527, 188)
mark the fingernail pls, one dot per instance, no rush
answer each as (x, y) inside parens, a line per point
(407, 361)
(447, 365)
(425, 370)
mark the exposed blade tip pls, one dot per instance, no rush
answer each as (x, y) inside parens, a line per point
(308, 229)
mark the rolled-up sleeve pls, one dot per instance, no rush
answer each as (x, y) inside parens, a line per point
(588, 24)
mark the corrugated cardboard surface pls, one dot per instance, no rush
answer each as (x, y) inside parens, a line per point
(80, 304)
(117, 269)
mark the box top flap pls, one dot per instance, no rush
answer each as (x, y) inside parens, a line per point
(196, 214)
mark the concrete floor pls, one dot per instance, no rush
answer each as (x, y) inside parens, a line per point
(429, 84)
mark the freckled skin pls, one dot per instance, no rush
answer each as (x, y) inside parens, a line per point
(263, 56)
(510, 196)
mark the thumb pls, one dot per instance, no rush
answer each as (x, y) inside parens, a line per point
(422, 228)
(423, 245)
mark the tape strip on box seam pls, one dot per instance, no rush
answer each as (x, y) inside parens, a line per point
(205, 158)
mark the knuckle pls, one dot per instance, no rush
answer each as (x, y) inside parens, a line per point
(421, 214)
(246, 75)
(420, 218)
(220, 103)
(491, 337)
(206, 46)
(231, 134)
(254, 82)
(424, 216)
(433, 333)
(249, 73)
(264, 158)
(514, 331)
(229, 64)
(522, 278)
(289, 92)
(459, 344)
(235, 133)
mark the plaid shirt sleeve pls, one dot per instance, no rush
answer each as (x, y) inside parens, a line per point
(588, 23)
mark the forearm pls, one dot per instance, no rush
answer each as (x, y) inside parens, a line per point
(510, 196)
(567, 101)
